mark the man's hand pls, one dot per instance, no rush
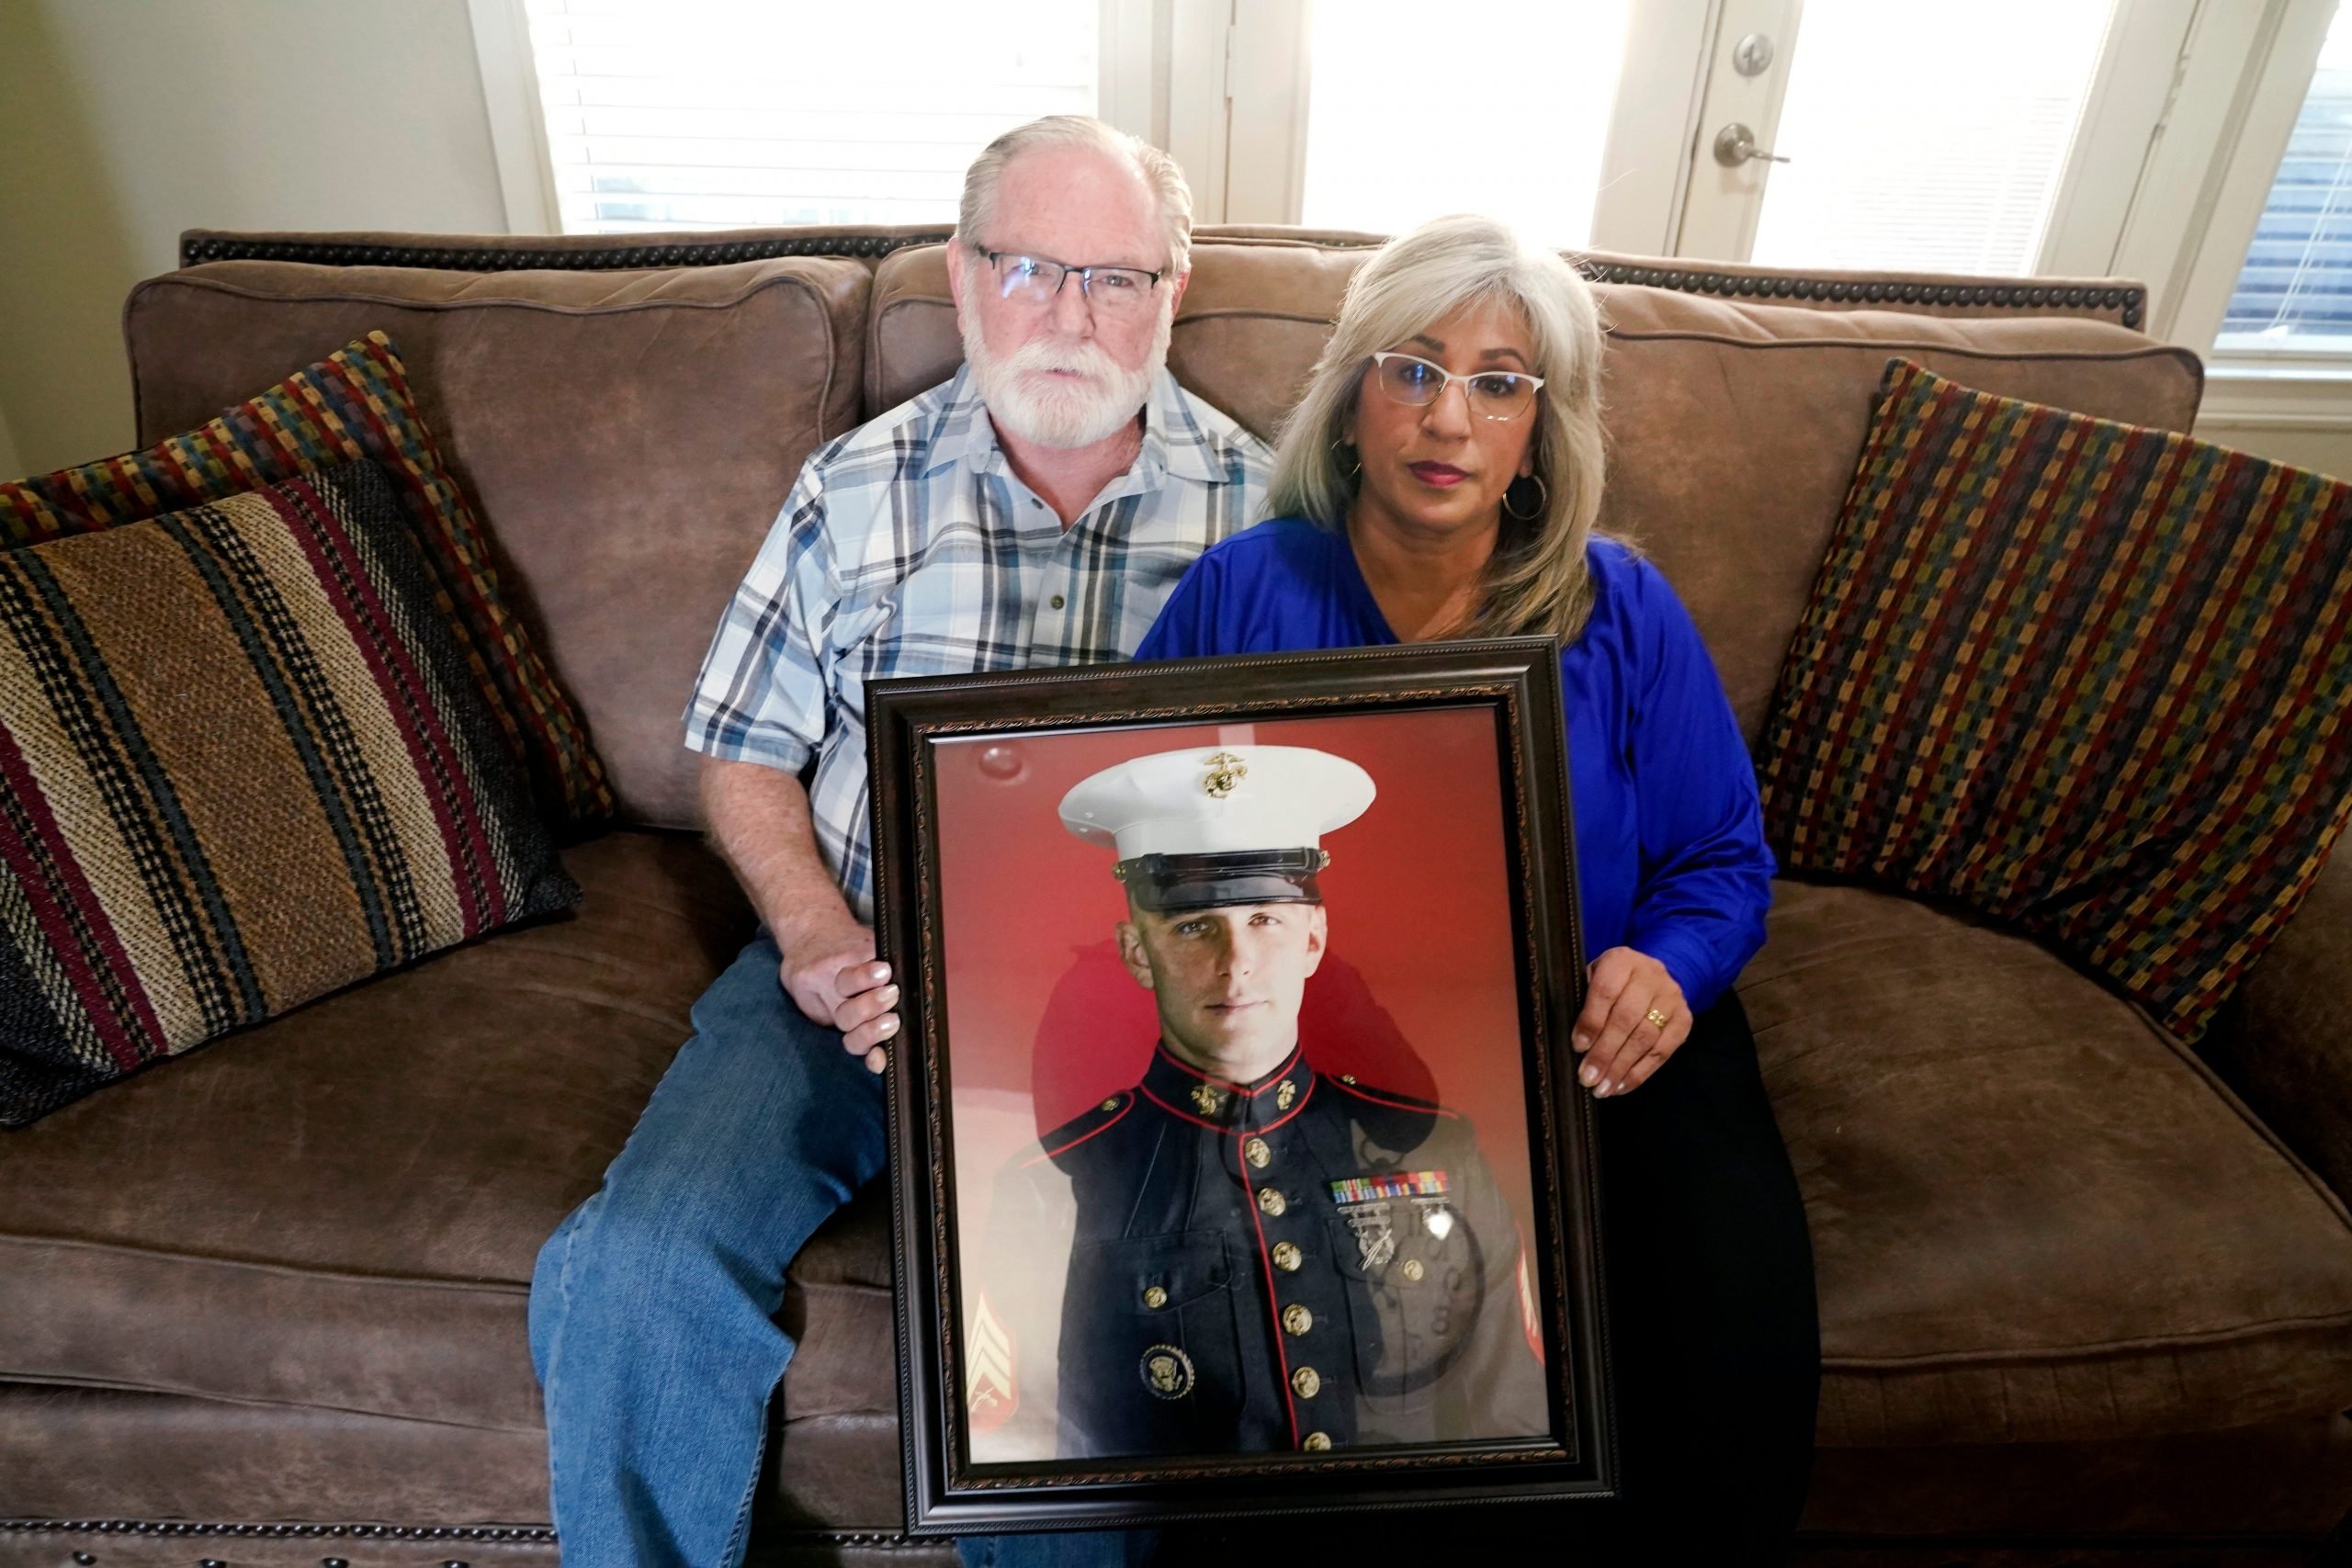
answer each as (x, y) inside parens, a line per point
(1618, 1034)
(759, 817)
(832, 976)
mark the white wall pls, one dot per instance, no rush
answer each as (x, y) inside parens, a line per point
(2326, 446)
(128, 120)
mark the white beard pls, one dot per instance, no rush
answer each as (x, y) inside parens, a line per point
(1063, 410)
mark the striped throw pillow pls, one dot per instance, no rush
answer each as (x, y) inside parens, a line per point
(2087, 677)
(354, 403)
(243, 764)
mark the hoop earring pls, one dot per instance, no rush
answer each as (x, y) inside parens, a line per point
(1542, 498)
(1355, 463)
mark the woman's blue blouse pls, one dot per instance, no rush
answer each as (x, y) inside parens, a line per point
(1670, 854)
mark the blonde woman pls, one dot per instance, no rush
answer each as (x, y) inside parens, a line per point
(1440, 479)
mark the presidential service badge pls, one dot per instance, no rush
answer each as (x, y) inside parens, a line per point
(1167, 1372)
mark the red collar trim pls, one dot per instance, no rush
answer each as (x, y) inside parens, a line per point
(1263, 1127)
(1289, 1064)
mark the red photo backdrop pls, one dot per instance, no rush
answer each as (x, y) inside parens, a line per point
(1417, 991)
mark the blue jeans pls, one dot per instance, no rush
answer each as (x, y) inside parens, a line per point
(1129, 1548)
(653, 1304)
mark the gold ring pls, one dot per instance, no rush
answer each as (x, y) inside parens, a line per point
(1656, 1017)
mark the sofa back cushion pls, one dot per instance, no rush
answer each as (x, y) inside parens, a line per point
(627, 437)
(1733, 425)
(353, 404)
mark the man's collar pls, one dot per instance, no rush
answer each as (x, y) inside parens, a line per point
(960, 431)
(1174, 441)
(1229, 1107)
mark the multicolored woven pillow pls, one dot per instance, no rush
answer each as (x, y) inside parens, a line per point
(242, 765)
(2087, 677)
(354, 403)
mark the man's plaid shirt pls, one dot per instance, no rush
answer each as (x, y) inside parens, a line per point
(908, 548)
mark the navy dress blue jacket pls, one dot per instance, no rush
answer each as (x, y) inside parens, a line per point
(1298, 1264)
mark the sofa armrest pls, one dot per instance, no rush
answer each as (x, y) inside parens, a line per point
(2288, 1051)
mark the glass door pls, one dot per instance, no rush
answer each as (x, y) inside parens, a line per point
(1871, 135)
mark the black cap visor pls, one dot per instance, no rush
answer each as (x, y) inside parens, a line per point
(1166, 884)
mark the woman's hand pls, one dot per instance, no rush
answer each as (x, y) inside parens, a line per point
(1618, 1034)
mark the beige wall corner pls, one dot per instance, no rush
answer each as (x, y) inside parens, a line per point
(130, 121)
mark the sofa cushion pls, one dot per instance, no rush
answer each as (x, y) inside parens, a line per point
(338, 803)
(2080, 675)
(2034, 1217)
(436, 1124)
(1738, 519)
(354, 403)
(627, 437)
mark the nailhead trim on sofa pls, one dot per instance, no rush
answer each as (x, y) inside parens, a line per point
(472, 258)
(518, 1534)
(2132, 300)
(457, 1535)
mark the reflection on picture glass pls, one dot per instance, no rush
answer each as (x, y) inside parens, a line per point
(1234, 1048)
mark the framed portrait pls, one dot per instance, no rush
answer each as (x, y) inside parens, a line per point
(1237, 1162)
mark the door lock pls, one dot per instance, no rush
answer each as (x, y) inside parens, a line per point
(1735, 144)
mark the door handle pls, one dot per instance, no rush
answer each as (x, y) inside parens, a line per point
(1735, 144)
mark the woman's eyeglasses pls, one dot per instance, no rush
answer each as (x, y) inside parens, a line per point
(1490, 394)
(1110, 290)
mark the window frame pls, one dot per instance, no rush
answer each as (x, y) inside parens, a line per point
(2242, 83)
(518, 122)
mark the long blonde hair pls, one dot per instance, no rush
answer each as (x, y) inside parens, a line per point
(1536, 580)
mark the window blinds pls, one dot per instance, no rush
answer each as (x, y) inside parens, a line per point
(687, 114)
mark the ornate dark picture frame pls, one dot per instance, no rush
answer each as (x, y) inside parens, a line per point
(1509, 686)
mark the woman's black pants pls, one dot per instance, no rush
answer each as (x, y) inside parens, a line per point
(1714, 1341)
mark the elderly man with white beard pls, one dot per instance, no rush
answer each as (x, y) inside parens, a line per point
(1034, 510)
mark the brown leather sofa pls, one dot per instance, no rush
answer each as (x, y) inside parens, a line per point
(2085, 1295)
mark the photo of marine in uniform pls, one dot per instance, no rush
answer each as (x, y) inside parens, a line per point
(1240, 1253)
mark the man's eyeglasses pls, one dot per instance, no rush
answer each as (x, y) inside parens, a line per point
(1033, 281)
(1490, 394)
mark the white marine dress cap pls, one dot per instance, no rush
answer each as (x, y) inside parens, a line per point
(1219, 825)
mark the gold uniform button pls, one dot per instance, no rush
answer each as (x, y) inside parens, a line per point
(1315, 1442)
(1413, 1270)
(1111, 1103)
(1297, 1319)
(1154, 1297)
(1256, 1152)
(1307, 1380)
(1273, 1203)
(1287, 1257)
(1347, 1078)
